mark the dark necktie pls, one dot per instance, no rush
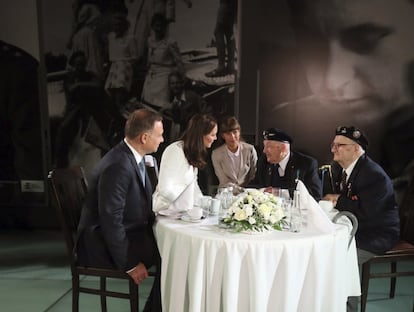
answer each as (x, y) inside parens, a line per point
(342, 185)
(276, 180)
(141, 167)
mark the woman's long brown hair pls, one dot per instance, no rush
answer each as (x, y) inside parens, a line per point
(193, 137)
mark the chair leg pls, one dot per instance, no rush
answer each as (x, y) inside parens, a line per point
(134, 299)
(103, 296)
(393, 279)
(366, 268)
(75, 292)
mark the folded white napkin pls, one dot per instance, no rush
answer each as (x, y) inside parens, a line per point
(316, 217)
(183, 202)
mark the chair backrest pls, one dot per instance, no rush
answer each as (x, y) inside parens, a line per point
(353, 220)
(68, 188)
(325, 173)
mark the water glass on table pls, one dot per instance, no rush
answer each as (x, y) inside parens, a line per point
(295, 221)
(287, 209)
(205, 203)
(214, 206)
(281, 193)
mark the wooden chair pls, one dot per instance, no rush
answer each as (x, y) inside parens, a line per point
(402, 251)
(325, 173)
(68, 188)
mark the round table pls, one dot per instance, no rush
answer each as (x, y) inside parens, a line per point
(205, 268)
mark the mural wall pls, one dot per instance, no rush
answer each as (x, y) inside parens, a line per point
(106, 58)
(320, 64)
(341, 63)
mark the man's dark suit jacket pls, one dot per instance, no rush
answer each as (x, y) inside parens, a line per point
(115, 228)
(300, 166)
(369, 195)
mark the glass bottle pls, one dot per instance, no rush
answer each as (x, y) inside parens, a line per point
(295, 213)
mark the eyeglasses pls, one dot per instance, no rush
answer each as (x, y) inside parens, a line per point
(336, 146)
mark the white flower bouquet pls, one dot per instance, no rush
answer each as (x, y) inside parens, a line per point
(256, 211)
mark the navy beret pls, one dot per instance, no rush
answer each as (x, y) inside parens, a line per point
(354, 134)
(274, 134)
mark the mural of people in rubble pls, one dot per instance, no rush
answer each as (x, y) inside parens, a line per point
(128, 57)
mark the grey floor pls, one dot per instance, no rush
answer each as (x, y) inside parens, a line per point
(35, 276)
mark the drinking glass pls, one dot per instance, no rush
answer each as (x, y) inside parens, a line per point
(287, 208)
(205, 203)
(284, 194)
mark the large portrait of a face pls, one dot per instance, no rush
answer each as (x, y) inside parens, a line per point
(353, 65)
(107, 58)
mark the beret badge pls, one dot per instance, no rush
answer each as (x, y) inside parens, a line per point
(356, 134)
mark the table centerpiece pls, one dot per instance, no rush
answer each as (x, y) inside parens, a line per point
(255, 211)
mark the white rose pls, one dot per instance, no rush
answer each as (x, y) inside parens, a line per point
(240, 215)
(248, 209)
(278, 215)
(252, 220)
(264, 209)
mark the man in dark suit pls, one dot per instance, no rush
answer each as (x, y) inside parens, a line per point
(115, 229)
(364, 189)
(280, 167)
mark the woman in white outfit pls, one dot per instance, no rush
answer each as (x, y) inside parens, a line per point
(177, 187)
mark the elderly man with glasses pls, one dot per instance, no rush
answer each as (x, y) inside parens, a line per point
(364, 189)
(281, 167)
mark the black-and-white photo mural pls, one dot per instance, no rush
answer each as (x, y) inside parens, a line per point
(105, 58)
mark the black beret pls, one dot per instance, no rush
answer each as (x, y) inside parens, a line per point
(274, 134)
(354, 134)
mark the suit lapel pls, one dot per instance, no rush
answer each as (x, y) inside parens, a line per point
(147, 188)
(291, 172)
(352, 177)
(355, 171)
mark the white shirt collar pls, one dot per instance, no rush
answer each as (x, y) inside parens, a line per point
(351, 167)
(137, 156)
(236, 154)
(284, 161)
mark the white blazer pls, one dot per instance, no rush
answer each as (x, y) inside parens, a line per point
(177, 187)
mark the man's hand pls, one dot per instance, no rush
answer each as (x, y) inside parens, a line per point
(331, 197)
(139, 273)
(268, 189)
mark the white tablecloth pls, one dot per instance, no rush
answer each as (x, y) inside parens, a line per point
(208, 269)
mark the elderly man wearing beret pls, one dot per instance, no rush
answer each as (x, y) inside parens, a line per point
(364, 189)
(280, 167)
